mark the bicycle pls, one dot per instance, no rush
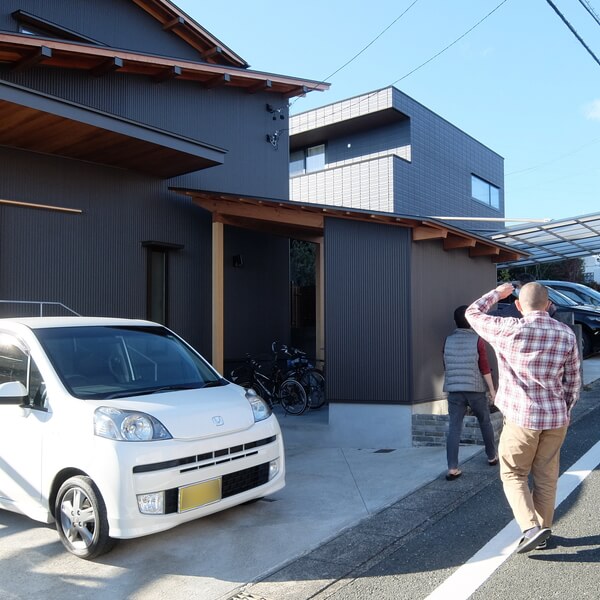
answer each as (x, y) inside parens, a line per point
(276, 388)
(310, 377)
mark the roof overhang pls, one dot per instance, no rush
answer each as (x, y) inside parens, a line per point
(576, 237)
(23, 52)
(175, 20)
(307, 222)
(40, 123)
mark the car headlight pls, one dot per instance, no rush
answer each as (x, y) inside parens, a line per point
(128, 425)
(260, 408)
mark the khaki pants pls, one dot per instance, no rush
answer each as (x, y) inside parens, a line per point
(524, 451)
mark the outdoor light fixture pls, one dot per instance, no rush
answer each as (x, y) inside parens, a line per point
(238, 261)
(273, 138)
(275, 111)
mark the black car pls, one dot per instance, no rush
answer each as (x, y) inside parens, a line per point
(586, 316)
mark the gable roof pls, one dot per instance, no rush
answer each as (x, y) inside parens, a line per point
(23, 52)
(174, 19)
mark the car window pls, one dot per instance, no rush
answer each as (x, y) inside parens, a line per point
(108, 362)
(17, 365)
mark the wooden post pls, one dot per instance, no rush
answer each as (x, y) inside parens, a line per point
(217, 295)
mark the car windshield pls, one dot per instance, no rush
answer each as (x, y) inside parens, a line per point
(559, 299)
(103, 362)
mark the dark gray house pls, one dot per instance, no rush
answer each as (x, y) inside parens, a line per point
(105, 105)
(384, 151)
(144, 174)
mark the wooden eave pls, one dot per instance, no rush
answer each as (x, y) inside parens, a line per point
(23, 52)
(175, 20)
(306, 221)
(40, 123)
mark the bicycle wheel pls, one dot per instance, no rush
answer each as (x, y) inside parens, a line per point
(314, 385)
(293, 397)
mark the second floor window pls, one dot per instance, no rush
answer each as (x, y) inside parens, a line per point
(485, 192)
(307, 160)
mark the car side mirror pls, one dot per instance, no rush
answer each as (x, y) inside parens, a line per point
(13, 392)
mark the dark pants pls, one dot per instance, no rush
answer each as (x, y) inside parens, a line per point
(457, 407)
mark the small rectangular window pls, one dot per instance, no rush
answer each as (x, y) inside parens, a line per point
(315, 158)
(307, 160)
(297, 163)
(485, 192)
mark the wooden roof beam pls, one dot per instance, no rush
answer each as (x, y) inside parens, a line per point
(505, 256)
(454, 242)
(37, 56)
(167, 74)
(175, 22)
(217, 81)
(261, 86)
(110, 65)
(299, 91)
(483, 250)
(421, 233)
(215, 50)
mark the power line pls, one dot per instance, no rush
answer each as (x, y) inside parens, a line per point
(361, 51)
(589, 8)
(370, 95)
(452, 44)
(564, 20)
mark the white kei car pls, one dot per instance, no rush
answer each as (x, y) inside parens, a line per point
(117, 428)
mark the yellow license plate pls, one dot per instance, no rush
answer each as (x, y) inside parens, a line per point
(199, 494)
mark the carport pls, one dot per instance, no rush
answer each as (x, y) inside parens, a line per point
(387, 285)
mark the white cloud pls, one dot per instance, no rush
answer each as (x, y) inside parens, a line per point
(592, 110)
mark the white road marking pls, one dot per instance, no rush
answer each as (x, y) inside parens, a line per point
(466, 579)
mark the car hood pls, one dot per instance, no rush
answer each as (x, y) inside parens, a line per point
(193, 414)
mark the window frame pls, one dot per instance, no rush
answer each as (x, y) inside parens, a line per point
(490, 188)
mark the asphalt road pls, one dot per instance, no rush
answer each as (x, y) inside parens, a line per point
(412, 548)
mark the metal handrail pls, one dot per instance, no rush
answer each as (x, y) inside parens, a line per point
(41, 305)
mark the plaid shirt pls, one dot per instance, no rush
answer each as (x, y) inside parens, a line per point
(538, 362)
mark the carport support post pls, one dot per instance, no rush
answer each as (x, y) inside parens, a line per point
(217, 294)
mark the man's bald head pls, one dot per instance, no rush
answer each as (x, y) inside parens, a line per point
(533, 296)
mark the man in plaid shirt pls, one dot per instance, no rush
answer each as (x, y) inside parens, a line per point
(539, 383)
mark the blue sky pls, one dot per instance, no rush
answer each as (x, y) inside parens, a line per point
(520, 82)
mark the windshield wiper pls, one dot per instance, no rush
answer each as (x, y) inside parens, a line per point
(215, 383)
(157, 390)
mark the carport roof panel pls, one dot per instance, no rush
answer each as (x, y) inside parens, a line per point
(575, 237)
(36, 122)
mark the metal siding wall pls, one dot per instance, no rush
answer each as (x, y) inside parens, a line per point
(116, 23)
(438, 180)
(367, 313)
(229, 118)
(440, 282)
(94, 262)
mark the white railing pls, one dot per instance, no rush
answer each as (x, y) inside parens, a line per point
(41, 305)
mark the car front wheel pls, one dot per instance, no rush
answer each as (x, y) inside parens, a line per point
(81, 518)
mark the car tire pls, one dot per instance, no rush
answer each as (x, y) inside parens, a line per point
(81, 519)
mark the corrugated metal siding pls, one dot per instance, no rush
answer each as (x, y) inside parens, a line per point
(228, 118)
(440, 282)
(103, 21)
(95, 262)
(367, 313)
